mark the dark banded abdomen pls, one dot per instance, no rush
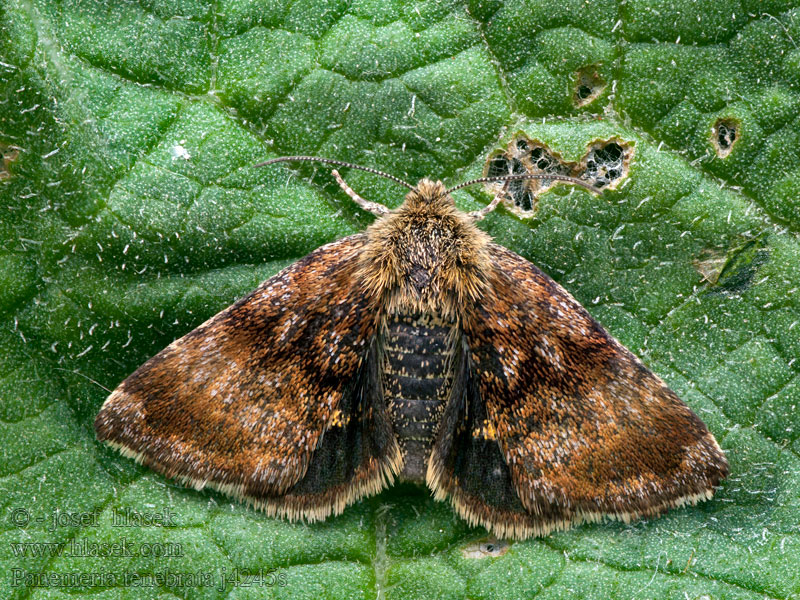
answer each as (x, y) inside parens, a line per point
(415, 383)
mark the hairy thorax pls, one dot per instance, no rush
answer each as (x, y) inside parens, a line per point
(426, 257)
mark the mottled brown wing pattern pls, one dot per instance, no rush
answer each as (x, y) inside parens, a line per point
(274, 400)
(586, 431)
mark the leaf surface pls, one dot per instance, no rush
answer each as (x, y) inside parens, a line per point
(130, 214)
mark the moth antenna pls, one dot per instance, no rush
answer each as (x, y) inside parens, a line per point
(375, 208)
(480, 214)
(521, 176)
(338, 163)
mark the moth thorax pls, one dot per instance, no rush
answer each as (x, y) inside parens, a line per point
(416, 349)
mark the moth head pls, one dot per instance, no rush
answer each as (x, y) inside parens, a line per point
(425, 256)
(429, 193)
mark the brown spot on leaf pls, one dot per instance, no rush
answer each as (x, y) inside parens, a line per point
(710, 265)
(588, 85)
(8, 154)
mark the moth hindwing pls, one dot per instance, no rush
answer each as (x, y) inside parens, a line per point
(420, 351)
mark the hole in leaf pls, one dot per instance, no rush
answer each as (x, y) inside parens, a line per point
(518, 190)
(499, 165)
(544, 161)
(490, 547)
(604, 165)
(607, 162)
(588, 85)
(723, 136)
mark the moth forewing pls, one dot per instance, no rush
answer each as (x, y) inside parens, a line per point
(229, 406)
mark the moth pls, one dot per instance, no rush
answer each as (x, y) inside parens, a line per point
(416, 351)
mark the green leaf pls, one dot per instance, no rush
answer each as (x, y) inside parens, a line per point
(130, 214)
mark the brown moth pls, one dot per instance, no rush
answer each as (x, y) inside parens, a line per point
(419, 351)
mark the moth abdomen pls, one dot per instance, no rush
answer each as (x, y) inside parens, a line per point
(416, 380)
